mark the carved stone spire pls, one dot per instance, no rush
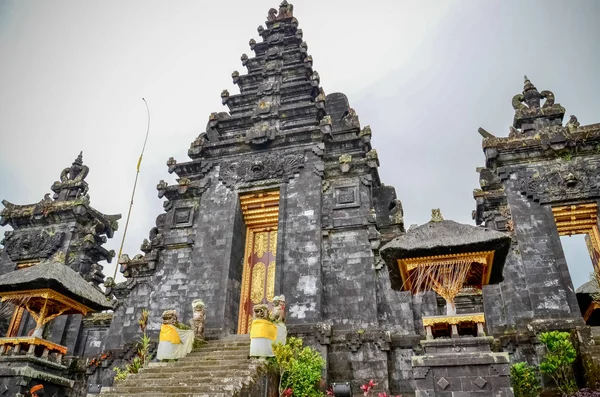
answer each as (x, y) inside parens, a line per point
(72, 184)
(530, 114)
(531, 95)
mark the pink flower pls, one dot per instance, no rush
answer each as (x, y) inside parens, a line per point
(366, 388)
(287, 392)
(330, 392)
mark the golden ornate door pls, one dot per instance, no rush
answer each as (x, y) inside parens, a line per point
(258, 279)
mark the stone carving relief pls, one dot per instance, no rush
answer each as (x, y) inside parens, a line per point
(346, 196)
(183, 216)
(567, 183)
(271, 166)
(32, 245)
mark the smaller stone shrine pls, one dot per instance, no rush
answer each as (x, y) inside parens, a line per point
(47, 291)
(451, 259)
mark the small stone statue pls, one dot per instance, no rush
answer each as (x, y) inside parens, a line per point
(170, 317)
(278, 313)
(198, 317)
(261, 312)
(278, 317)
(262, 333)
(173, 342)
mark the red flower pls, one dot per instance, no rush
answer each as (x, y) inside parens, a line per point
(287, 392)
(330, 392)
(366, 388)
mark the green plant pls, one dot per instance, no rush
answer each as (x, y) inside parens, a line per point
(558, 363)
(143, 320)
(299, 368)
(182, 326)
(143, 351)
(121, 373)
(524, 380)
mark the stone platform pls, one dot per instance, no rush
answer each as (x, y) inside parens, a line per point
(461, 367)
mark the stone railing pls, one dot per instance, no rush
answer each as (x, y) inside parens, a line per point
(32, 347)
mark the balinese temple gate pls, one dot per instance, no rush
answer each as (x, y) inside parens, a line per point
(280, 194)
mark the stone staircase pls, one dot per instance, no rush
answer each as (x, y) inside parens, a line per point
(218, 369)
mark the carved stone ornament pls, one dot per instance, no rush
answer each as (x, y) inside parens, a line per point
(354, 341)
(261, 133)
(323, 334)
(286, 10)
(32, 245)
(567, 183)
(269, 167)
(72, 182)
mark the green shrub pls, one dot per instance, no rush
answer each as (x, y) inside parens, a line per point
(299, 368)
(524, 380)
(143, 352)
(558, 363)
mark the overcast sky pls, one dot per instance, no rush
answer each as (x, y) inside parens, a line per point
(424, 74)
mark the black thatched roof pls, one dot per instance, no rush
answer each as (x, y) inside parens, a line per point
(58, 277)
(584, 295)
(443, 238)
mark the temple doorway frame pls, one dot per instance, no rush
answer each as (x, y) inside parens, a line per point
(582, 219)
(260, 212)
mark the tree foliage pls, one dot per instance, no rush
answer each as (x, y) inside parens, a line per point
(300, 369)
(524, 380)
(558, 363)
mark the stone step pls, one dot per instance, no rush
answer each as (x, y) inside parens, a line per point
(192, 380)
(220, 342)
(224, 354)
(222, 347)
(197, 382)
(172, 390)
(161, 394)
(206, 371)
(217, 355)
(194, 368)
(219, 368)
(231, 338)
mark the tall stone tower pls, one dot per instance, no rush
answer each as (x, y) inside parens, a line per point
(281, 195)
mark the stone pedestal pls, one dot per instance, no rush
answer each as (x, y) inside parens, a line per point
(461, 367)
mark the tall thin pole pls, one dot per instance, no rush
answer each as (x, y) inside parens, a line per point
(137, 173)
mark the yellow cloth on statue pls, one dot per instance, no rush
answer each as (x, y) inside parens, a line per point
(262, 329)
(174, 343)
(168, 333)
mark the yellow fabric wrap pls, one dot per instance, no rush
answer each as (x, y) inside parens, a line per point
(168, 333)
(263, 329)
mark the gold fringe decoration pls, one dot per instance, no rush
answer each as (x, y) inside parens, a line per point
(447, 279)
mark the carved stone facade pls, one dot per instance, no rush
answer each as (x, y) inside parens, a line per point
(283, 134)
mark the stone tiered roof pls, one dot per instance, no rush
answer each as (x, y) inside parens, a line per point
(279, 93)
